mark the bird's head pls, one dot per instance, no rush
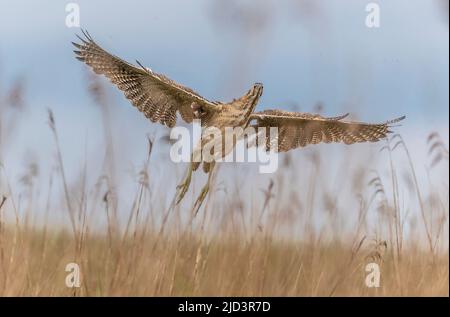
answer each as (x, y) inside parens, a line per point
(256, 90)
(250, 99)
(253, 95)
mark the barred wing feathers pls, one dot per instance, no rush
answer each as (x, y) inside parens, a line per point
(158, 97)
(296, 129)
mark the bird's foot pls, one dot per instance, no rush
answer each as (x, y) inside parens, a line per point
(200, 199)
(183, 188)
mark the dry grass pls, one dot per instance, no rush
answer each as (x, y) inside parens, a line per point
(225, 266)
(310, 239)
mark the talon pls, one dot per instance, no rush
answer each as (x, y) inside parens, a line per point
(183, 187)
(203, 193)
(200, 199)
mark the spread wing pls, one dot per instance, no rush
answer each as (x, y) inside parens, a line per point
(297, 129)
(158, 97)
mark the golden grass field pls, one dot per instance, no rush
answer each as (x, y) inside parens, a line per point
(281, 235)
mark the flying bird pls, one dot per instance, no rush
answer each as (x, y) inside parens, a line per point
(160, 99)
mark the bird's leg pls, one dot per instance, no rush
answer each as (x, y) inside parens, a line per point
(183, 187)
(204, 192)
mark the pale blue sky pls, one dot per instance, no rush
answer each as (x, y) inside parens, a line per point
(331, 56)
(304, 52)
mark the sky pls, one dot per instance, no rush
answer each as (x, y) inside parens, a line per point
(305, 52)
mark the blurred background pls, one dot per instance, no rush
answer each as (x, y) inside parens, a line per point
(313, 56)
(86, 178)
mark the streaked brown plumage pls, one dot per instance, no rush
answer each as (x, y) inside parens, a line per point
(300, 129)
(160, 98)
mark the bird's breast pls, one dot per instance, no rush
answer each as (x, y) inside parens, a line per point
(231, 117)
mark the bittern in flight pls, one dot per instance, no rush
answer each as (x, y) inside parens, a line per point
(160, 98)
